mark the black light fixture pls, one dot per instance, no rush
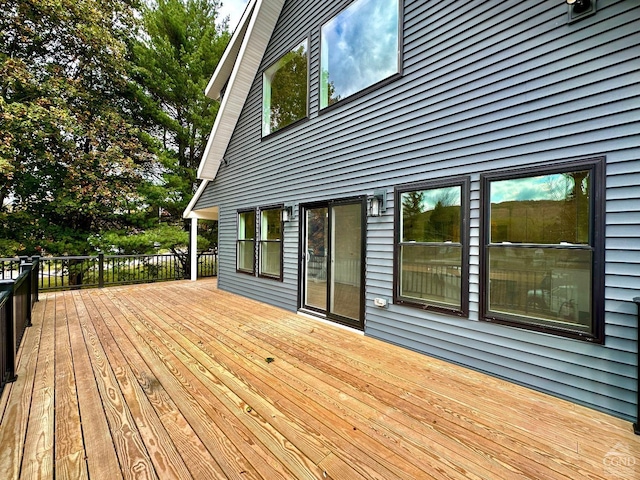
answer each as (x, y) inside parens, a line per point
(579, 9)
(580, 6)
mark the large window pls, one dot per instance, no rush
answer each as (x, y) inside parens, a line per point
(431, 252)
(246, 241)
(271, 243)
(285, 90)
(359, 48)
(543, 248)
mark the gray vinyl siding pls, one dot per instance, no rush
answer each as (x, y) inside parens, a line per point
(485, 86)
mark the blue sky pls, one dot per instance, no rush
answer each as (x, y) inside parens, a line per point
(545, 187)
(362, 45)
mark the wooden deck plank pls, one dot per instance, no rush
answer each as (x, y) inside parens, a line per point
(37, 461)
(184, 361)
(100, 452)
(132, 454)
(13, 430)
(68, 433)
(200, 415)
(69, 444)
(410, 453)
(198, 459)
(166, 460)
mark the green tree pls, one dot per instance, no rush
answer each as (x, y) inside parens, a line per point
(71, 159)
(412, 210)
(289, 89)
(175, 58)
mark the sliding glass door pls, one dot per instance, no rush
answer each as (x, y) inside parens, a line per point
(333, 261)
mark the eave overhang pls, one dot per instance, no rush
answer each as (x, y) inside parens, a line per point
(237, 70)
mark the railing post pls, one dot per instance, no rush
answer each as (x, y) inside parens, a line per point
(25, 266)
(7, 286)
(101, 270)
(636, 425)
(35, 279)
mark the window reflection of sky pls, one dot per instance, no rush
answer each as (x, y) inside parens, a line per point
(448, 197)
(544, 187)
(360, 45)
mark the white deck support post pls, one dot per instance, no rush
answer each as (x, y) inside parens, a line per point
(193, 249)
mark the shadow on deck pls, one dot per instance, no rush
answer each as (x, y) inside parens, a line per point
(180, 380)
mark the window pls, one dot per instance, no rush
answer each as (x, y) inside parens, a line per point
(359, 48)
(271, 243)
(246, 241)
(432, 246)
(285, 90)
(543, 249)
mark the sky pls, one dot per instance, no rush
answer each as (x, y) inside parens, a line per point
(234, 9)
(360, 45)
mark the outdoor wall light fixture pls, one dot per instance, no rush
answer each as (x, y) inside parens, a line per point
(579, 9)
(378, 203)
(579, 6)
(287, 213)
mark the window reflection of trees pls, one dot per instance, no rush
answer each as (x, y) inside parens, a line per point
(430, 250)
(549, 280)
(289, 89)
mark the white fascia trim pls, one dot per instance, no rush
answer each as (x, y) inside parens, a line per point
(259, 31)
(229, 56)
(188, 212)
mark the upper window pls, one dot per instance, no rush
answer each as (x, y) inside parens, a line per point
(246, 241)
(543, 249)
(359, 47)
(285, 90)
(271, 243)
(432, 254)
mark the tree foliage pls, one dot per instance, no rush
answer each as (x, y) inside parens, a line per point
(174, 61)
(71, 159)
(102, 117)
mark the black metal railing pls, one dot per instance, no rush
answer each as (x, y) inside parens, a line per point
(97, 271)
(17, 297)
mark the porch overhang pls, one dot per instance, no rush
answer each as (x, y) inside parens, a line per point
(206, 213)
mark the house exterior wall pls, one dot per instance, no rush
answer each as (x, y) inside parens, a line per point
(484, 86)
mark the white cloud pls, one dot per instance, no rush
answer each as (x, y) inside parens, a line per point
(233, 9)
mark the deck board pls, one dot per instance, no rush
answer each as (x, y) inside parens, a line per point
(172, 381)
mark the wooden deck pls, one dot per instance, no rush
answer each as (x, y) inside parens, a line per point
(180, 380)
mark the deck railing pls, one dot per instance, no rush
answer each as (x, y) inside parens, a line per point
(97, 271)
(17, 297)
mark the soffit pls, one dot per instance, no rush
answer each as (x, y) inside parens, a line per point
(237, 69)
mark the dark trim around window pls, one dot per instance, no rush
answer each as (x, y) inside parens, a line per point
(596, 237)
(247, 240)
(260, 241)
(463, 183)
(373, 87)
